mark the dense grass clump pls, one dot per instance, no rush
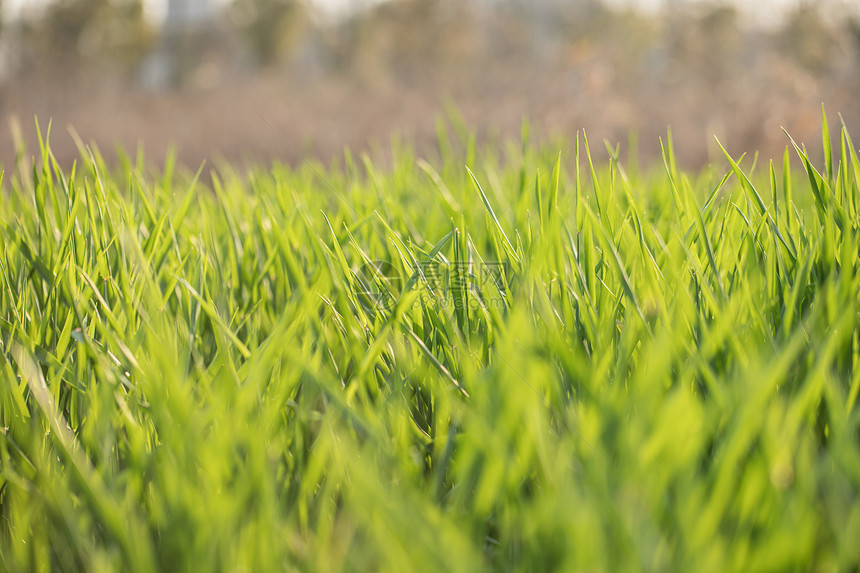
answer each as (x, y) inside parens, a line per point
(531, 364)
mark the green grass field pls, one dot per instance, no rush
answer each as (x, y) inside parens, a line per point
(549, 360)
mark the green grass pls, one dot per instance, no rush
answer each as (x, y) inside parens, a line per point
(541, 362)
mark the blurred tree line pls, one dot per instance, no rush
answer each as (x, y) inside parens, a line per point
(403, 39)
(67, 32)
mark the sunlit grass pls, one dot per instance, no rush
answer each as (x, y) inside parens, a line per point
(539, 362)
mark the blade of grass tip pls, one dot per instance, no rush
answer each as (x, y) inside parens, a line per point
(670, 147)
(713, 196)
(820, 203)
(786, 191)
(614, 164)
(471, 149)
(508, 245)
(667, 150)
(628, 191)
(338, 252)
(667, 165)
(633, 153)
(844, 170)
(554, 187)
(40, 182)
(452, 205)
(524, 152)
(20, 146)
(65, 239)
(139, 193)
(62, 180)
(838, 186)
(855, 164)
(753, 195)
(772, 173)
(709, 249)
(826, 145)
(831, 200)
(774, 221)
(170, 239)
(603, 218)
(228, 211)
(168, 169)
(190, 194)
(394, 237)
(577, 198)
(43, 141)
(746, 184)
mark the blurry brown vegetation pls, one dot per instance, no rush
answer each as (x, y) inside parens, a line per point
(222, 87)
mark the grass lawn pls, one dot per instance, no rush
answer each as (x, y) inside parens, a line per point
(548, 360)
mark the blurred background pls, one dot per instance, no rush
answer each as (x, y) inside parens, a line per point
(258, 80)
